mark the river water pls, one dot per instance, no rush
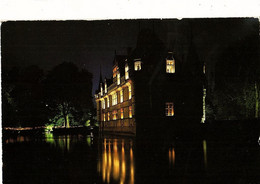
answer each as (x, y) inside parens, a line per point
(112, 159)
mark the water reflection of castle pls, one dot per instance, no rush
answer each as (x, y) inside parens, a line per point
(151, 83)
(116, 163)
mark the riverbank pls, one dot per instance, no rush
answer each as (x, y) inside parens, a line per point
(38, 131)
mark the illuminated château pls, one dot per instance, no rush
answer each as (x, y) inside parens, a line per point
(151, 88)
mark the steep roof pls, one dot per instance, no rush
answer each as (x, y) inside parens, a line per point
(120, 61)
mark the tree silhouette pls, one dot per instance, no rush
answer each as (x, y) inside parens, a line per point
(68, 92)
(23, 97)
(237, 81)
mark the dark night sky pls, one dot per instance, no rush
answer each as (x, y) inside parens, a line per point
(90, 44)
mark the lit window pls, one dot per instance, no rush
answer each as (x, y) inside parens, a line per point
(108, 116)
(122, 113)
(121, 96)
(114, 72)
(138, 65)
(103, 104)
(104, 116)
(114, 99)
(170, 66)
(108, 102)
(126, 72)
(114, 114)
(130, 92)
(169, 111)
(101, 89)
(204, 68)
(118, 78)
(130, 112)
(105, 87)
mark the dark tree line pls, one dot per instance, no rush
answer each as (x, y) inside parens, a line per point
(61, 97)
(237, 89)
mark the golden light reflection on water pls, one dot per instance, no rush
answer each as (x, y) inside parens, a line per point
(104, 158)
(116, 167)
(171, 156)
(132, 176)
(117, 161)
(18, 139)
(122, 178)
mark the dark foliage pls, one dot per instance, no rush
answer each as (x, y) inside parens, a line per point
(29, 98)
(237, 74)
(22, 97)
(68, 92)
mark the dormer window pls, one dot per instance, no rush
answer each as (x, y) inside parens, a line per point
(114, 72)
(101, 89)
(138, 65)
(126, 71)
(170, 66)
(118, 78)
(105, 87)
